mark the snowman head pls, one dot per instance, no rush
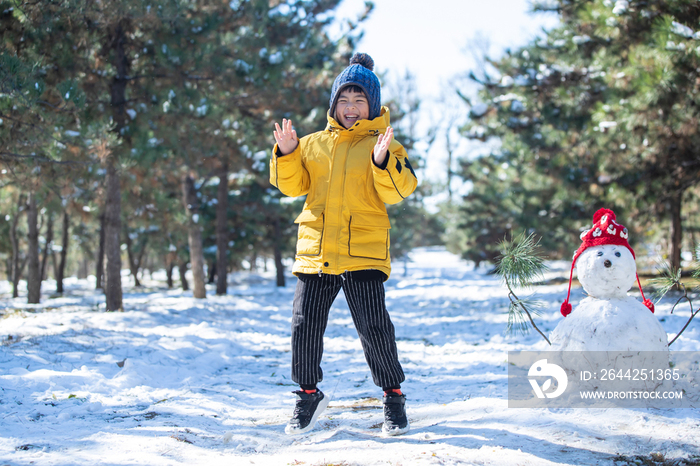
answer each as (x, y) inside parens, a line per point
(605, 261)
(606, 271)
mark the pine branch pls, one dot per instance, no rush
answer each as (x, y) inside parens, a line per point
(520, 262)
(520, 265)
(671, 278)
(32, 125)
(12, 156)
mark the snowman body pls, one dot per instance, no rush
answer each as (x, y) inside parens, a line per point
(608, 319)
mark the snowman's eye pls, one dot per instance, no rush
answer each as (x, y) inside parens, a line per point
(600, 253)
(617, 254)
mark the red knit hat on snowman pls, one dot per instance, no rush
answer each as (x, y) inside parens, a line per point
(605, 231)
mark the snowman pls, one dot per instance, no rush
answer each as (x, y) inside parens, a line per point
(608, 319)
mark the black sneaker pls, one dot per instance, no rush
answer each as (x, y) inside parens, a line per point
(395, 420)
(309, 406)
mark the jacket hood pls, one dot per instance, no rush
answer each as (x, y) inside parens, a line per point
(363, 127)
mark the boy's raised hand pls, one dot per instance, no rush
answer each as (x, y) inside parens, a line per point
(286, 137)
(382, 146)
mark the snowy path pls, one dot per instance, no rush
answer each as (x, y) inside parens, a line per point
(174, 380)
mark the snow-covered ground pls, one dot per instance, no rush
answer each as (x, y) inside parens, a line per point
(174, 380)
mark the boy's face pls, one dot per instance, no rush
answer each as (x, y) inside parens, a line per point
(351, 107)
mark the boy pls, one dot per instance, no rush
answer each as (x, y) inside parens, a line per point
(348, 172)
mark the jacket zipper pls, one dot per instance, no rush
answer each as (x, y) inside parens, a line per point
(342, 198)
(324, 240)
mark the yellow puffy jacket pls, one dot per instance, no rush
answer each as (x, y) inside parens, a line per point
(344, 225)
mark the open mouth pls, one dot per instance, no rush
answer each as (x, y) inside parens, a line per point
(351, 118)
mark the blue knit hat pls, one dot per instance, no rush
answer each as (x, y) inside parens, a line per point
(359, 73)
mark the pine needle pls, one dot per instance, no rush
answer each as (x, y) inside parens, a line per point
(670, 278)
(696, 272)
(520, 265)
(518, 321)
(520, 262)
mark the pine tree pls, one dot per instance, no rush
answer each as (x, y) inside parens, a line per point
(253, 57)
(148, 97)
(39, 108)
(602, 111)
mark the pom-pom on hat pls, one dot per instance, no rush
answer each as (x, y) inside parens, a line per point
(359, 73)
(605, 231)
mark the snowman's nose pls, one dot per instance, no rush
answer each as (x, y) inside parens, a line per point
(607, 263)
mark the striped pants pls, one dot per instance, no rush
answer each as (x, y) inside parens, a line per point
(313, 298)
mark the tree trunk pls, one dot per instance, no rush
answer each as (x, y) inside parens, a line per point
(194, 237)
(54, 262)
(169, 266)
(222, 230)
(450, 150)
(254, 260)
(14, 239)
(676, 230)
(100, 266)
(182, 270)
(211, 272)
(113, 290)
(140, 261)
(64, 252)
(278, 253)
(133, 262)
(22, 267)
(169, 275)
(34, 272)
(48, 246)
(83, 267)
(86, 254)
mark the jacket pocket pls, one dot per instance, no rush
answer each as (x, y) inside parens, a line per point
(310, 233)
(369, 235)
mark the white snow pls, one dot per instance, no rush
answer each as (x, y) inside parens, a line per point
(276, 58)
(620, 7)
(681, 29)
(506, 97)
(178, 381)
(607, 124)
(545, 5)
(517, 106)
(507, 81)
(479, 110)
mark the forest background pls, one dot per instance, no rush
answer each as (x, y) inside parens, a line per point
(135, 134)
